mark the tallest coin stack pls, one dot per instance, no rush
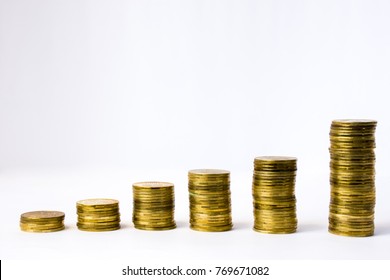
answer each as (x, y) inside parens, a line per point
(352, 177)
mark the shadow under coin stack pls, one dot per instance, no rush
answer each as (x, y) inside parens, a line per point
(209, 193)
(153, 206)
(42, 221)
(99, 214)
(352, 177)
(273, 191)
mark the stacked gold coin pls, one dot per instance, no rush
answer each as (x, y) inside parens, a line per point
(99, 214)
(352, 177)
(42, 221)
(273, 190)
(153, 206)
(209, 192)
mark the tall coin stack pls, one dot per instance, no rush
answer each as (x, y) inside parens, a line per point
(273, 190)
(209, 193)
(153, 206)
(352, 177)
(42, 221)
(99, 214)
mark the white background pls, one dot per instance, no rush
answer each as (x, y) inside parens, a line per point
(96, 95)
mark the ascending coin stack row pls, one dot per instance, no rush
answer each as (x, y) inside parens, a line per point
(352, 177)
(351, 210)
(273, 191)
(209, 195)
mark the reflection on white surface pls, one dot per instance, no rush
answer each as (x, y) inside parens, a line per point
(60, 189)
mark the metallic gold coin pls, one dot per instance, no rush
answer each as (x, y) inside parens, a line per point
(152, 184)
(42, 221)
(208, 228)
(354, 122)
(98, 214)
(273, 192)
(43, 215)
(208, 172)
(153, 205)
(273, 231)
(209, 197)
(97, 203)
(274, 163)
(41, 230)
(352, 177)
(97, 229)
(155, 228)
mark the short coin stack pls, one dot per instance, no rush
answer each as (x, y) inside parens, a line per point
(209, 193)
(153, 206)
(273, 191)
(352, 177)
(42, 221)
(99, 214)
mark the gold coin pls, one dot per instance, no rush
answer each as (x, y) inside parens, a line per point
(97, 229)
(42, 221)
(153, 205)
(39, 230)
(43, 215)
(209, 197)
(98, 214)
(352, 177)
(98, 203)
(152, 184)
(273, 192)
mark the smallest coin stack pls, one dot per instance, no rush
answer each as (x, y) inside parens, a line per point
(99, 214)
(153, 205)
(273, 192)
(42, 221)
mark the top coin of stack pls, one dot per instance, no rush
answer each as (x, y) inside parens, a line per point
(154, 205)
(352, 177)
(98, 214)
(42, 221)
(273, 191)
(209, 193)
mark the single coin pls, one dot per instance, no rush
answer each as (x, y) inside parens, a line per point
(39, 215)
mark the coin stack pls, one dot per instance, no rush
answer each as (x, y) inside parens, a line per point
(352, 177)
(98, 214)
(273, 191)
(42, 221)
(153, 206)
(209, 193)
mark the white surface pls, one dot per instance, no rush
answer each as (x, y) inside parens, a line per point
(60, 189)
(92, 91)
